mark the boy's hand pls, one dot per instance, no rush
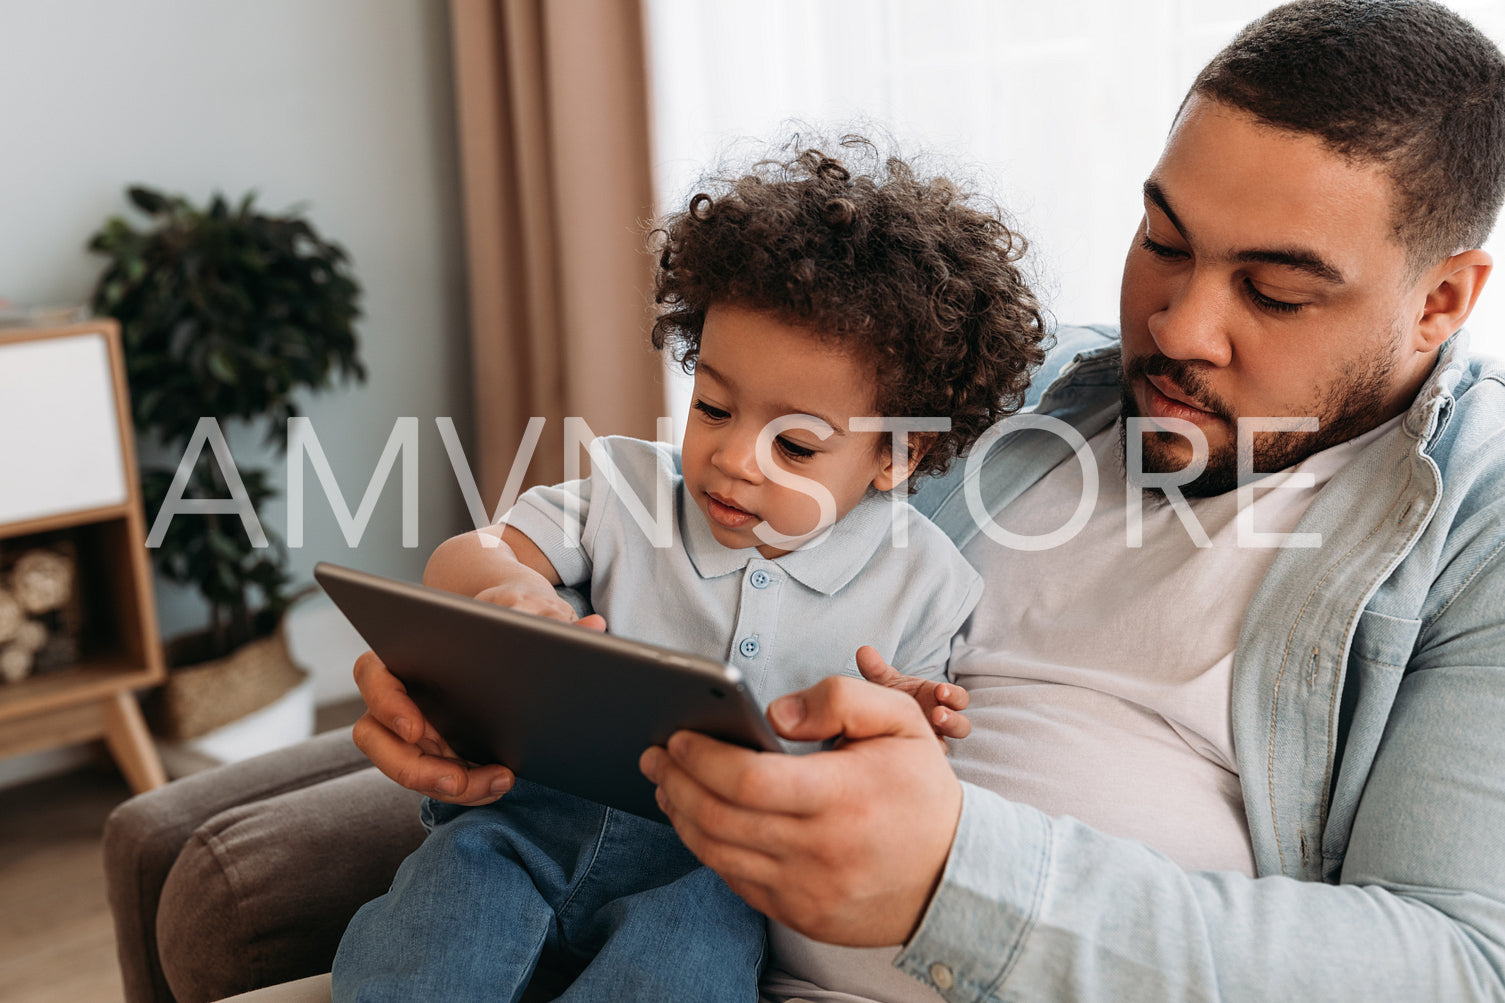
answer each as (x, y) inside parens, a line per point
(942, 702)
(528, 592)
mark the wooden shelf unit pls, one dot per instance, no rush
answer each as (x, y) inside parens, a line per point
(120, 648)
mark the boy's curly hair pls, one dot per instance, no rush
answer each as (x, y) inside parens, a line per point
(918, 274)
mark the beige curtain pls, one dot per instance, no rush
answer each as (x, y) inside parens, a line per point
(554, 149)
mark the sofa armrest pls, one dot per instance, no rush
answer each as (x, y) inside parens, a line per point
(144, 837)
(262, 892)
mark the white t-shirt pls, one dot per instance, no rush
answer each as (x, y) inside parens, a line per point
(1101, 682)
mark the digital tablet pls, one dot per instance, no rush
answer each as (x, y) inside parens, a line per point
(559, 705)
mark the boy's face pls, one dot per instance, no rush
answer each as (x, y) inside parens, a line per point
(752, 369)
(1264, 281)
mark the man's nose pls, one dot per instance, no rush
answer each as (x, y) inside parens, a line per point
(1194, 325)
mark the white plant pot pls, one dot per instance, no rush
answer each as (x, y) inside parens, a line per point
(287, 720)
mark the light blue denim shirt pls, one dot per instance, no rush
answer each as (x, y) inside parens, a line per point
(1369, 726)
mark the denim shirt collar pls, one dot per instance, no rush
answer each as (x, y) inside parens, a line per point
(1428, 416)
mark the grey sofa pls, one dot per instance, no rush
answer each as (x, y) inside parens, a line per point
(244, 876)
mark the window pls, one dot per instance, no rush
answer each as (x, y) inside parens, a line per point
(1059, 109)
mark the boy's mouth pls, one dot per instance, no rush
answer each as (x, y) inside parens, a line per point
(727, 515)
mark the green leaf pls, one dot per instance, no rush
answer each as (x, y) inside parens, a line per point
(230, 313)
(220, 365)
(149, 201)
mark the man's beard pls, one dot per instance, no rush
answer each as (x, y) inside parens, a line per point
(1350, 407)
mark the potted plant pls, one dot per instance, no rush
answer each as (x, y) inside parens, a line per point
(225, 312)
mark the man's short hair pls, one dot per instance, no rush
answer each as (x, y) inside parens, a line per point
(1406, 84)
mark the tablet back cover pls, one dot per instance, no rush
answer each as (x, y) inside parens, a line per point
(557, 704)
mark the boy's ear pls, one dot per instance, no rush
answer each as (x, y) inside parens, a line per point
(890, 476)
(1453, 287)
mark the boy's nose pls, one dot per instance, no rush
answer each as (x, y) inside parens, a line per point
(737, 457)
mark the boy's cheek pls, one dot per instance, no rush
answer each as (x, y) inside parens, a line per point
(792, 513)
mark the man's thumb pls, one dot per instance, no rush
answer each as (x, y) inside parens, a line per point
(843, 707)
(787, 714)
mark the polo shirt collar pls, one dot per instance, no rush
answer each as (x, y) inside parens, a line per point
(825, 564)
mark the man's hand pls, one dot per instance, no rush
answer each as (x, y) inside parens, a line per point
(941, 702)
(845, 846)
(396, 736)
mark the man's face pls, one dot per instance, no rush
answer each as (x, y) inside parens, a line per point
(1263, 281)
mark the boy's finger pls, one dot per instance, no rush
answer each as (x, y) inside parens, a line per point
(953, 696)
(552, 608)
(949, 724)
(593, 622)
(545, 604)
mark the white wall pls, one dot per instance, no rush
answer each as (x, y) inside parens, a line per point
(343, 106)
(1059, 109)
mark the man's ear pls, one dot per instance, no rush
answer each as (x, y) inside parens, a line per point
(1455, 285)
(890, 476)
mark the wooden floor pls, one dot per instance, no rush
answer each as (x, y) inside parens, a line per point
(57, 944)
(56, 941)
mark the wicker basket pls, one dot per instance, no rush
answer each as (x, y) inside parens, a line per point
(197, 699)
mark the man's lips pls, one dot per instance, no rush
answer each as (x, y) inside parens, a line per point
(1164, 400)
(1168, 388)
(725, 514)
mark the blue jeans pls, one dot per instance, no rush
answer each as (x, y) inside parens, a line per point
(542, 875)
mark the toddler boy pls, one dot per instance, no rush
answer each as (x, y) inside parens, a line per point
(804, 297)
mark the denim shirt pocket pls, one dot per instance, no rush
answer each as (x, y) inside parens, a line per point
(1381, 649)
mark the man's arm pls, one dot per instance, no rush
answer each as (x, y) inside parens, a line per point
(1030, 907)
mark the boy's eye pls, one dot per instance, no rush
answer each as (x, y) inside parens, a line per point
(794, 450)
(710, 411)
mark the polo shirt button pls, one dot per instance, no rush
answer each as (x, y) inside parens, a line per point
(760, 579)
(749, 647)
(941, 975)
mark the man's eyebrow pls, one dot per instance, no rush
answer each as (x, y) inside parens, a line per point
(1156, 194)
(1294, 257)
(1302, 261)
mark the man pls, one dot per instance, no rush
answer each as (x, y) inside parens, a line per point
(1202, 765)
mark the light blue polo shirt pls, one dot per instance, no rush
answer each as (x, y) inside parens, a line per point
(785, 623)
